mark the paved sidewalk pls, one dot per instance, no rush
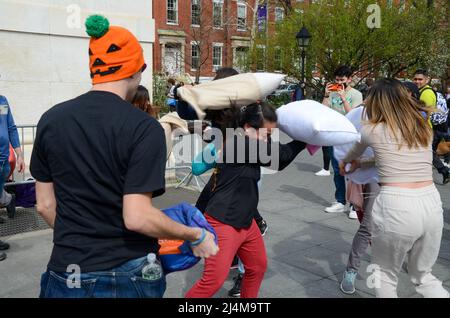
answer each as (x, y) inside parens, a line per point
(307, 248)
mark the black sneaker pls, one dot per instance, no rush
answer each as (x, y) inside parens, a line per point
(236, 290)
(11, 207)
(3, 246)
(235, 263)
(2, 256)
(262, 224)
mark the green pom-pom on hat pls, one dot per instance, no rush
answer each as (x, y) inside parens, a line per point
(97, 26)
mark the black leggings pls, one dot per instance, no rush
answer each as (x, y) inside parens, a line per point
(326, 157)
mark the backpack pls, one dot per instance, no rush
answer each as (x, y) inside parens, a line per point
(26, 195)
(441, 115)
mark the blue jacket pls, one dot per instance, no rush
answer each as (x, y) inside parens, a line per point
(183, 258)
(8, 130)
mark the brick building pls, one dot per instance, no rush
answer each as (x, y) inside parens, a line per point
(207, 34)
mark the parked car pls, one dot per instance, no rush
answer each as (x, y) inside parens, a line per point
(283, 89)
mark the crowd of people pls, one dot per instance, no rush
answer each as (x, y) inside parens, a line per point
(99, 161)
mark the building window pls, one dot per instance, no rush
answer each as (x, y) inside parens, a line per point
(279, 14)
(242, 17)
(217, 13)
(195, 12)
(240, 59)
(217, 56)
(172, 11)
(277, 63)
(195, 56)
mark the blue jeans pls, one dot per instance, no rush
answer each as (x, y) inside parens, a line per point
(339, 181)
(124, 281)
(4, 173)
(5, 169)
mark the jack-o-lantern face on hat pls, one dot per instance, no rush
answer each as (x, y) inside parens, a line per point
(114, 56)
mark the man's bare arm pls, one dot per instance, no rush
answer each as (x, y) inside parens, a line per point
(141, 216)
(46, 202)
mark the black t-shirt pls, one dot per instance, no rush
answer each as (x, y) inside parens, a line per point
(95, 149)
(231, 195)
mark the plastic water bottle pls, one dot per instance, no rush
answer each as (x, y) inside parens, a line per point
(152, 270)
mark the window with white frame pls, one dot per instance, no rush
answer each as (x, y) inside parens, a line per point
(195, 12)
(217, 13)
(195, 55)
(242, 17)
(279, 14)
(172, 11)
(217, 56)
(240, 59)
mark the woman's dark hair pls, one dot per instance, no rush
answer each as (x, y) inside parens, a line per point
(171, 81)
(142, 101)
(413, 89)
(216, 116)
(254, 115)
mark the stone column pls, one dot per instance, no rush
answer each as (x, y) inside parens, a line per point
(163, 55)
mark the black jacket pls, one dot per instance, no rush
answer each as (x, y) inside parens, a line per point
(231, 195)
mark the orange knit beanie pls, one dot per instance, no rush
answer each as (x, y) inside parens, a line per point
(114, 52)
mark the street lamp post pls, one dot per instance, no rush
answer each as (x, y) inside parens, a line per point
(303, 38)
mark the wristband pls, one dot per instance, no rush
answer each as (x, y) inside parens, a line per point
(200, 240)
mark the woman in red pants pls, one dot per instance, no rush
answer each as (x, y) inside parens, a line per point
(234, 197)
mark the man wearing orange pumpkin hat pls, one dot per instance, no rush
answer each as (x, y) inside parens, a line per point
(8, 135)
(98, 162)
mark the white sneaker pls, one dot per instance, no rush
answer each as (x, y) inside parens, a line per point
(323, 173)
(352, 214)
(336, 207)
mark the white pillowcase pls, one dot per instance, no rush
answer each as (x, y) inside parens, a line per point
(359, 176)
(316, 124)
(241, 89)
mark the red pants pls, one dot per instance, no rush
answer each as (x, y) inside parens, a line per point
(248, 245)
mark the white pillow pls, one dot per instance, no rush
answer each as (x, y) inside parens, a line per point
(316, 124)
(359, 176)
(241, 89)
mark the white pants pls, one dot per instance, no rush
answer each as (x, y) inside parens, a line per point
(407, 226)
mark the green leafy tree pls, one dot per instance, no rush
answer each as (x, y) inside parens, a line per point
(411, 36)
(160, 92)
